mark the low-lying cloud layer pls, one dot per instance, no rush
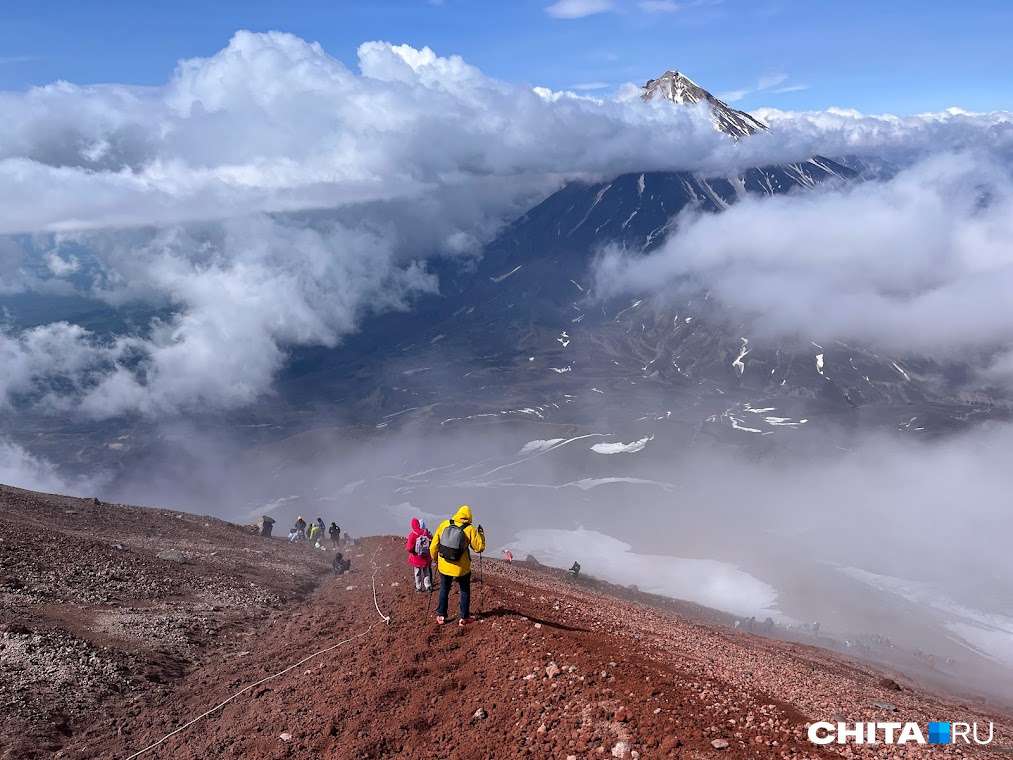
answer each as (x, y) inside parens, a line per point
(917, 265)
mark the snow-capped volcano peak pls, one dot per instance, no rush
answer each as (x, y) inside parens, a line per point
(679, 88)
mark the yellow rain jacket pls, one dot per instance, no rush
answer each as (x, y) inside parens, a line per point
(475, 539)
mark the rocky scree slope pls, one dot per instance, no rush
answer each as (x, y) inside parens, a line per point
(552, 669)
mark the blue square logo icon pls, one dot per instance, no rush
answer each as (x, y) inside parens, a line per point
(939, 733)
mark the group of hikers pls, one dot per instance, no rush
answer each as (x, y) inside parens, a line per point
(314, 533)
(450, 546)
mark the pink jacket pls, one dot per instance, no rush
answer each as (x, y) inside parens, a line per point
(414, 559)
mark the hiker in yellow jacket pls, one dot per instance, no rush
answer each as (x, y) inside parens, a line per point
(451, 545)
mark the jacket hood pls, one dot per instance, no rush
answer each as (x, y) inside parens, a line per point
(463, 515)
(415, 523)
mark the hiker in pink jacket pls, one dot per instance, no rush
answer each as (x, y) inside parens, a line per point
(417, 547)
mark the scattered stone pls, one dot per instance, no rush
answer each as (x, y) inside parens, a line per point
(670, 743)
(621, 716)
(889, 683)
(541, 729)
(481, 714)
(886, 706)
(119, 547)
(395, 583)
(551, 670)
(719, 744)
(286, 737)
(172, 555)
(621, 749)
(350, 588)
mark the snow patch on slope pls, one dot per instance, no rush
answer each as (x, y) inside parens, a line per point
(541, 445)
(621, 448)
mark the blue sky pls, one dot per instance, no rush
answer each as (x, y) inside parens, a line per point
(900, 57)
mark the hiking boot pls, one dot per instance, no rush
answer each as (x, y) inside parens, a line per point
(467, 621)
(440, 620)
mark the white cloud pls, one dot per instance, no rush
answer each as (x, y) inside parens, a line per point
(61, 267)
(763, 84)
(792, 88)
(578, 8)
(584, 86)
(770, 80)
(918, 265)
(20, 469)
(241, 292)
(733, 96)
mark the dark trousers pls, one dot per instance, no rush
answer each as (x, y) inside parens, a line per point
(446, 581)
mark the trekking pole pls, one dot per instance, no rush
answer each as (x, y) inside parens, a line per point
(481, 580)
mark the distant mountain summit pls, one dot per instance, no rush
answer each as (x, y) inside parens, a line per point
(679, 88)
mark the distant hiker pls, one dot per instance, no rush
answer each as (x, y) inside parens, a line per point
(315, 533)
(575, 570)
(348, 540)
(340, 565)
(417, 546)
(323, 528)
(335, 533)
(768, 625)
(816, 629)
(300, 525)
(293, 534)
(451, 548)
(507, 555)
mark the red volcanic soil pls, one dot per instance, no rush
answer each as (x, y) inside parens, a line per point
(105, 649)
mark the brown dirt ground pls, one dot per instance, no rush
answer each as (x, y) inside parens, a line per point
(662, 681)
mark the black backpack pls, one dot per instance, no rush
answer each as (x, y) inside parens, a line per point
(453, 542)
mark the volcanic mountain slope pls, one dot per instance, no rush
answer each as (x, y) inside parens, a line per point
(680, 89)
(107, 649)
(528, 327)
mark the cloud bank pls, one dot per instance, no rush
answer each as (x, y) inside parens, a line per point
(917, 265)
(270, 197)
